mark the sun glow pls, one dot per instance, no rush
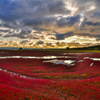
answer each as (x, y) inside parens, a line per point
(81, 19)
(91, 6)
(70, 6)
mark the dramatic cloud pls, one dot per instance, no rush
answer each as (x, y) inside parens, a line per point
(49, 20)
(63, 36)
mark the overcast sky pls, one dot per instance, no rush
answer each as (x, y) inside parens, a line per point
(49, 23)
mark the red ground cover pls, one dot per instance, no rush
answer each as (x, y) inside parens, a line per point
(31, 79)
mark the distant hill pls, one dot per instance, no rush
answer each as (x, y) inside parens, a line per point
(97, 47)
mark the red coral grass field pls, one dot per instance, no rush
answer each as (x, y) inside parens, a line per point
(34, 75)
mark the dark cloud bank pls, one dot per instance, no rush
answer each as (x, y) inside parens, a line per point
(40, 15)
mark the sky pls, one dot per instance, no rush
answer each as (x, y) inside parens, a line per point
(49, 23)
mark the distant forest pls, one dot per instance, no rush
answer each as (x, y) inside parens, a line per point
(85, 48)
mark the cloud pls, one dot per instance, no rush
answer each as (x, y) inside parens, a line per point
(12, 10)
(49, 19)
(40, 42)
(90, 35)
(63, 36)
(69, 21)
(36, 13)
(24, 41)
(19, 14)
(92, 23)
(74, 45)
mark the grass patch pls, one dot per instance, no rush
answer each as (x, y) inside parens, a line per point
(83, 75)
(29, 65)
(46, 76)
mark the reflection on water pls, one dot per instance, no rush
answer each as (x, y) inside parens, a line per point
(96, 59)
(53, 59)
(86, 58)
(91, 64)
(64, 62)
(34, 57)
(80, 61)
(16, 74)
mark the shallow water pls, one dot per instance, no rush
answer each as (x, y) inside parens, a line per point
(34, 57)
(64, 62)
(16, 74)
